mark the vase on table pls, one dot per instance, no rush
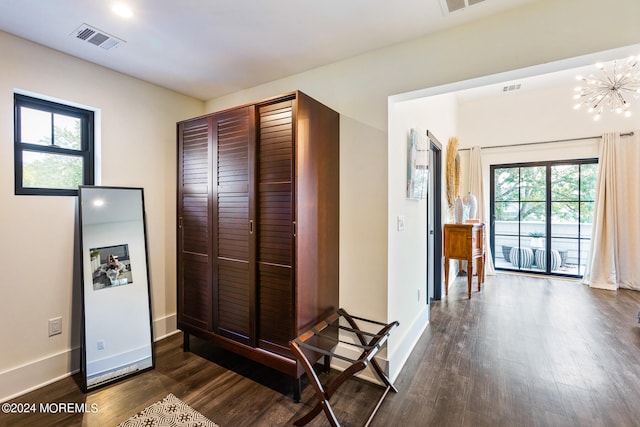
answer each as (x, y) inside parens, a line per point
(471, 201)
(458, 210)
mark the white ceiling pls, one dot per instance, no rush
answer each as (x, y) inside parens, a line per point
(209, 48)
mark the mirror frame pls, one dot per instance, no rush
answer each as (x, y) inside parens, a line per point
(85, 253)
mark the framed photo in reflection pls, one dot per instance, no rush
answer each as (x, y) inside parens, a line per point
(110, 266)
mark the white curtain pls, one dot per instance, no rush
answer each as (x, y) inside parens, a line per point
(476, 187)
(615, 238)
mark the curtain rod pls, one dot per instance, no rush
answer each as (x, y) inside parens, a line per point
(543, 142)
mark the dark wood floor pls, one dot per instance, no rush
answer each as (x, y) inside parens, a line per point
(523, 352)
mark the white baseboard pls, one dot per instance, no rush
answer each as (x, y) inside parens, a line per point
(38, 373)
(390, 365)
(405, 344)
(164, 327)
(367, 374)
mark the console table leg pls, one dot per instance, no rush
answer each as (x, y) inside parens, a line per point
(469, 274)
(446, 276)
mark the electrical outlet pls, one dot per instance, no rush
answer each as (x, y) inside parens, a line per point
(55, 326)
(100, 344)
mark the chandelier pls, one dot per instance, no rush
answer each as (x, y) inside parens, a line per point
(610, 91)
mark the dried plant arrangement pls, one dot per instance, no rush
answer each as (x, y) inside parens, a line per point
(452, 171)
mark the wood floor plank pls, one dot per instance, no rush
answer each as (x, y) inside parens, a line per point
(524, 351)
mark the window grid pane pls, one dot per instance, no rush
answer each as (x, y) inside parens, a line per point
(35, 126)
(45, 170)
(564, 182)
(67, 132)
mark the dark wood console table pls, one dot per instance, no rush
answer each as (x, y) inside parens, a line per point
(322, 340)
(464, 242)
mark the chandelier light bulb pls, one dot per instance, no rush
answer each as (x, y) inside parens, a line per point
(627, 113)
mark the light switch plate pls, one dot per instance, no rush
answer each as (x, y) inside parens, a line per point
(400, 222)
(55, 326)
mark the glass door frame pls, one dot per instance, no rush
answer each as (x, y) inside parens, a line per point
(548, 237)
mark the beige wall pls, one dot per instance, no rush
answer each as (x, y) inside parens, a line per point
(138, 140)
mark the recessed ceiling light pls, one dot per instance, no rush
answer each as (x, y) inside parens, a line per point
(122, 10)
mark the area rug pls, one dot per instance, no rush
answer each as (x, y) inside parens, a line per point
(169, 412)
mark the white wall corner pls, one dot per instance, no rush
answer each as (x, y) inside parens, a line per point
(164, 327)
(367, 374)
(390, 365)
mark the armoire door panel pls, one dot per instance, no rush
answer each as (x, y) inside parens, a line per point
(194, 155)
(275, 232)
(275, 242)
(276, 304)
(233, 219)
(233, 299)
(194, 224)
(233, 139)
(195, 227)
(196, 292)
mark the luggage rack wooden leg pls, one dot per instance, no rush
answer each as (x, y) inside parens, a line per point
(370, 348)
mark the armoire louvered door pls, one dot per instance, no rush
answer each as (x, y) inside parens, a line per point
(275, 226)
(194, 224)
(234, 241)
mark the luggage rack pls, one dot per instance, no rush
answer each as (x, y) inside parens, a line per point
(321, 341)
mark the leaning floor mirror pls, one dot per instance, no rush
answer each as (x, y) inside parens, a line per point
(117, 338)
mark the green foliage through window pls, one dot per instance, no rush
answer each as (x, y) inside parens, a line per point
(520, 193)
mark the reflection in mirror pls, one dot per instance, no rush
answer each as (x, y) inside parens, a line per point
(117, 338)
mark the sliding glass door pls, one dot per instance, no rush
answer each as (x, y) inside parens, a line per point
(541, 216)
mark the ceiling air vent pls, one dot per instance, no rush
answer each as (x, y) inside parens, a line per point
(96, 37)
(450, 6)
(510, 88)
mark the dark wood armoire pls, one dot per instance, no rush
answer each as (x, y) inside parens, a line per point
(258, 226)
